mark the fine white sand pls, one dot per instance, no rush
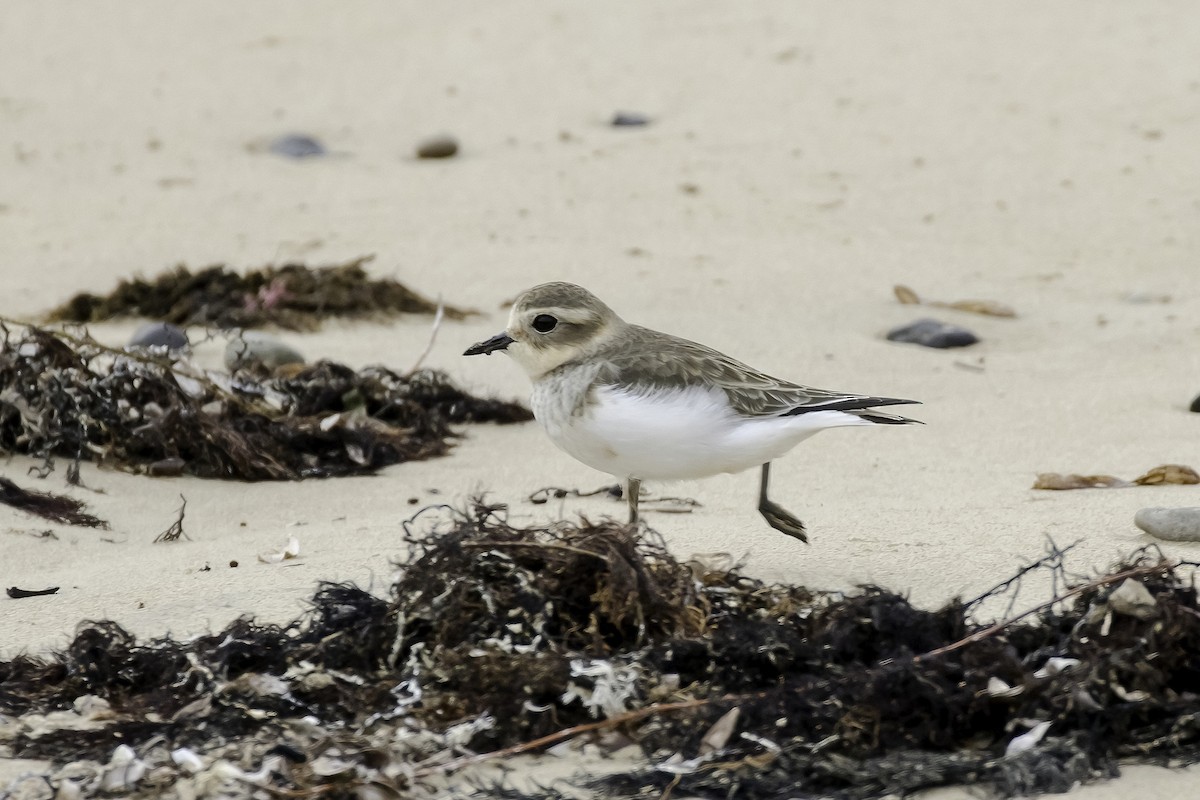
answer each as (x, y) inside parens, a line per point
(802, 159)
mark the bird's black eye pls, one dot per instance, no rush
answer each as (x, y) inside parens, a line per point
(544, 323)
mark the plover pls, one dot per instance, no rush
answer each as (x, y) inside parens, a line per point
(643, 405)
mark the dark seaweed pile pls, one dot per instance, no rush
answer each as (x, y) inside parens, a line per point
(70, 397)
(290, 296)
(504, 632)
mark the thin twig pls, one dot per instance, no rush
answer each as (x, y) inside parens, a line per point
(979, 636)
(571, 733)
(539, 546)
(437, 324)
(174, 532)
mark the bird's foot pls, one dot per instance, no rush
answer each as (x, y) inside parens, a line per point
(782, 520)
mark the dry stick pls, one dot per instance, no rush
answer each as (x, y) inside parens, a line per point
(569, 733)
(437, 323)
(539, 546)
(978, 636)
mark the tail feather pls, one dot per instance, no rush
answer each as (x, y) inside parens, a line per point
(860, 406)
(881, 418)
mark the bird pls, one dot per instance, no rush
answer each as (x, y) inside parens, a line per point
(643, 405)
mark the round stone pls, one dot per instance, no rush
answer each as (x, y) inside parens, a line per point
(160, 334)
(262, 349)
(933, 333)
(440, 146)
(297, 145)
(629, 119)
(1172, 524)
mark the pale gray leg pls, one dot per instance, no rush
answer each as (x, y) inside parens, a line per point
(777, 517)
(632, 490)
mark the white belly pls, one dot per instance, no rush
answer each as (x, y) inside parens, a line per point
(673, 436)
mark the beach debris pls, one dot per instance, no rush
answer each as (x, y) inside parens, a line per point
(1146, 298)
(1171, 524)
(124, 770)
(1026, 741)
(442, 145)
(1059, 482)
(1057, 664)
(989, 308)
(543, 495)
(1179, 474)
(629, 119)
(18, 594)
(259, 350)
(495, 641)
(290, 550)
(663, 505)
(1195, 406)
(297, 145)
(1133, 599)
(175, 532)
(161, 335)
(293, 296)
(1165, 474)
(69, 396)
(934, 333)
(998, 688)
(718, 735)
(47, 505)
(170, 467)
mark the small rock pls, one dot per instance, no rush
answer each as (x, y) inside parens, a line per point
(254, 347)
(629, 119)
(933, 333)
(166, 468)
(1172, 524)
(1195, 406)
(297, 145)
(1145, 298)
(1133, 599)
(440, 146)
(160, 334)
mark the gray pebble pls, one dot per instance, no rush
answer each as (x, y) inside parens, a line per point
(254, 347)
(1172, 524)
(297, 145)
(933, 333)
(629, 119)
(440, 146)
(160, 334)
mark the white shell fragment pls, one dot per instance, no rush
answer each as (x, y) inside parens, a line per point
(718, 735)
(290, 550)
(1055, 665)
(1026, 741)
(124, 770)
(188, 760)
(998, 688)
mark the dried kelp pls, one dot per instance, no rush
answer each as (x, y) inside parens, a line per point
(290, 296)
(512, 639)
(1179, 474)
(68, 396)
(47, 505)
(989, 308)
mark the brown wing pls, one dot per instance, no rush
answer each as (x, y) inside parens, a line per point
(647, 360)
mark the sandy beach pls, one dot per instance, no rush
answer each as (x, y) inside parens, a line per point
(801, 160)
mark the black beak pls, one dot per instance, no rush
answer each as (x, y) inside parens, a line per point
(497, 342)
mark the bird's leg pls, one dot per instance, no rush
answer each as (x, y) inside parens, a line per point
(778, 518)
(632, 490)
